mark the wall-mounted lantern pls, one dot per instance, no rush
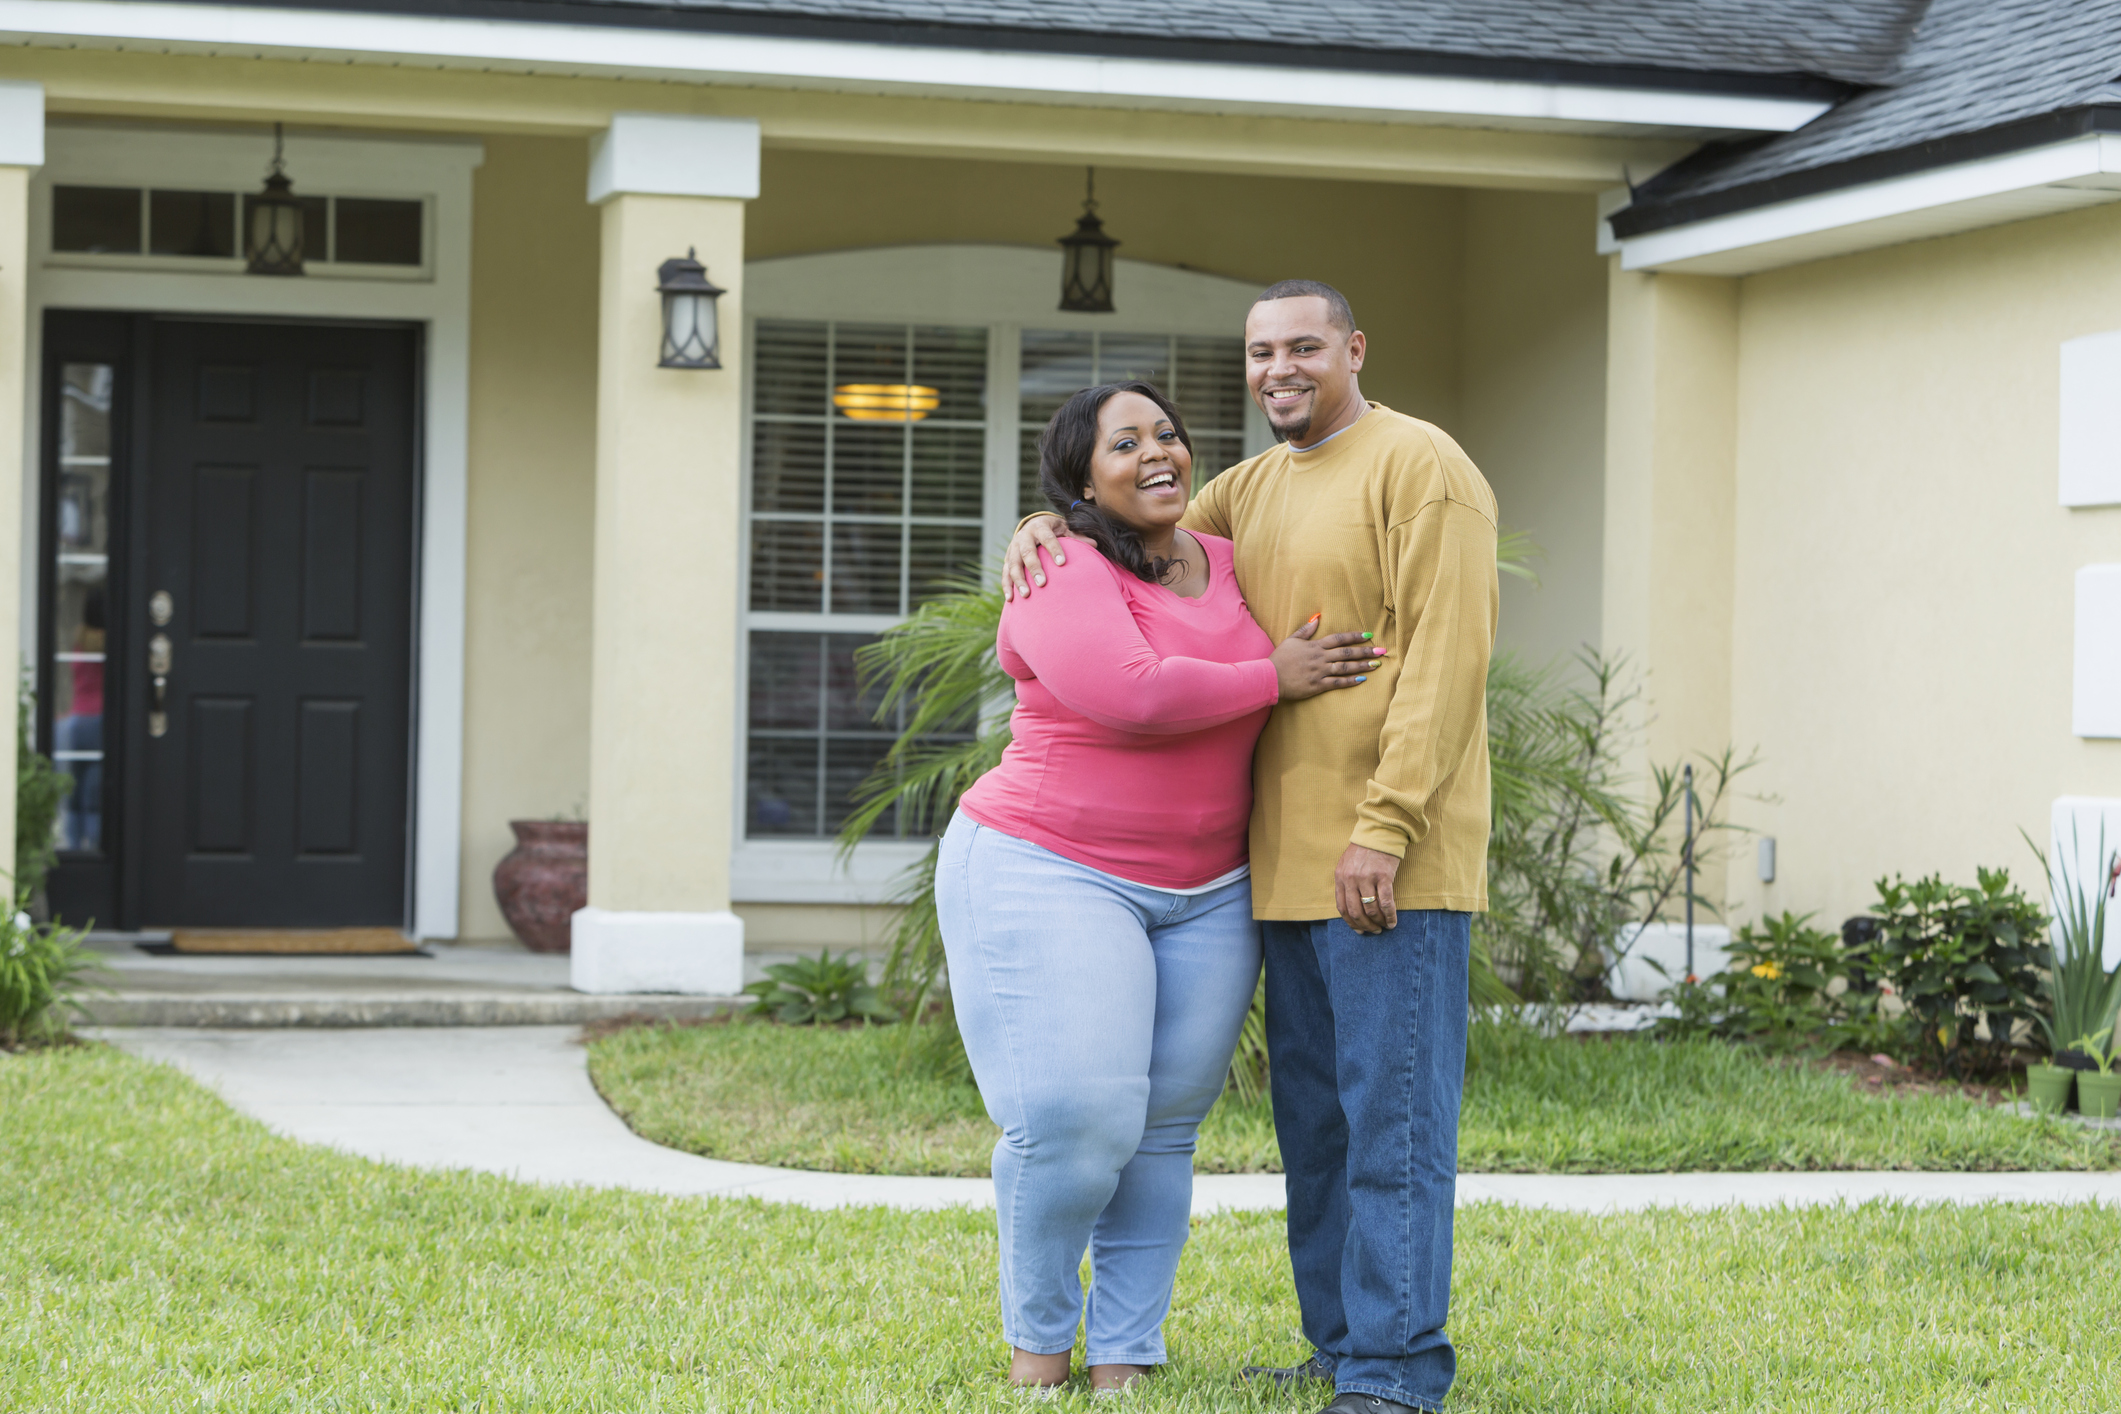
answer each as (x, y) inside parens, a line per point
(272, 222)
(691, 336)
(1086, 258)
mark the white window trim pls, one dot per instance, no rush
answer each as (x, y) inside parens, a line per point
(1005, 289)
(438, 298)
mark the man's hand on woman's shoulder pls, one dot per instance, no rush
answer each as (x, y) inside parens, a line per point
(1020, 566)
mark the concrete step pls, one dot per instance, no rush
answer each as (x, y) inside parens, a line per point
(439, 986)
(233, 1010)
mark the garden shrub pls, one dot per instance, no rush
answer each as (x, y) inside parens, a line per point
(42, 968)
(40, 789)
(819, 989)
(1967, 964)
(2083, 994)
(1787, 987)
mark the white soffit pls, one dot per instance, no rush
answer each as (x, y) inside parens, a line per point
(2091, 420)
(2095, 695)
(2063, 176)
(1009, 75)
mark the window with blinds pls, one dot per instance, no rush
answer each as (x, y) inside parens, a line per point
(867, 488)
(1204, 376)
(869, 485)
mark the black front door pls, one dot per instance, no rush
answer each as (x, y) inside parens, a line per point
(272, 626)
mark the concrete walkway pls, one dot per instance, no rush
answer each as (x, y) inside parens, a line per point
(516, 1101)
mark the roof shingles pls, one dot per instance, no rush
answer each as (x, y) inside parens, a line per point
(1970, 66)
(1911, 75)
(1850, 41)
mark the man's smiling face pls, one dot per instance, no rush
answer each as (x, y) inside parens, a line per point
(1300, 366)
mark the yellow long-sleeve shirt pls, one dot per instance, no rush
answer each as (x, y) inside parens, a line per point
(1389, 528)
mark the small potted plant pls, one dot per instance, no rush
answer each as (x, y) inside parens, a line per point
(2048, 1087)
(2098, 1091)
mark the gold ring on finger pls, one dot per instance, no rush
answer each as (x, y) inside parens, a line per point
(1369, 900)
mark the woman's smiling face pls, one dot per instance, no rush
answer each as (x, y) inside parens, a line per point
(1140, 471)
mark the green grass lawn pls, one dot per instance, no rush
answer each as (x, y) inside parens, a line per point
(159, 1252)
(855, 1102)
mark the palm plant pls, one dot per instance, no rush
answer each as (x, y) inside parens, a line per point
(938, 666)
(2084, 996)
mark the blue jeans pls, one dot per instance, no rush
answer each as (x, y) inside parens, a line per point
(1099, 1016)
(1367, 1042)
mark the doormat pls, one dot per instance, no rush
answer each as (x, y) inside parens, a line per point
(288, 942)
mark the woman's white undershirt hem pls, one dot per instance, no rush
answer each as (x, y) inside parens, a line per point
(1220, 882)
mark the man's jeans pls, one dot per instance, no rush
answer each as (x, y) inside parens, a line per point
(1367, 1038)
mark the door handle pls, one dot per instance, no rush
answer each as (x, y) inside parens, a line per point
(159, 656)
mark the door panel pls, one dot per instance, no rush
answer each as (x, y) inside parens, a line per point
(279, 490)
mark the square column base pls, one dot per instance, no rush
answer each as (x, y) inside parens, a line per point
(697, 954)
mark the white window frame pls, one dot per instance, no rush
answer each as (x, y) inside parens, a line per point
(437, 297)
(1005, 289)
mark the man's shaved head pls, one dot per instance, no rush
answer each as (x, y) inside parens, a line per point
(1338, 314)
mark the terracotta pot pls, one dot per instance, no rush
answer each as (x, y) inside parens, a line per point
(543, 880)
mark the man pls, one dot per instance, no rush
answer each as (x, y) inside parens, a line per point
(1369, 834)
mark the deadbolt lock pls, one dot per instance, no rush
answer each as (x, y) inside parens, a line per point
(160, 607)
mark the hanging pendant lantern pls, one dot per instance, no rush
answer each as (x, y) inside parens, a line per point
(272, 222)
(1086, 258)
(691, 332)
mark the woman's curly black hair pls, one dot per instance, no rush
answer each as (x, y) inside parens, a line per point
(1064, 452)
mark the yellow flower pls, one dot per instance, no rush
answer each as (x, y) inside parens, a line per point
(1768, 970)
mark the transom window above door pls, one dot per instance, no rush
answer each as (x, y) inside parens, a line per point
(204, 225)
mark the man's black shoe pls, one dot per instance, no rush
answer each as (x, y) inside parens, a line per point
(1282, 1376)
(1354, 1403)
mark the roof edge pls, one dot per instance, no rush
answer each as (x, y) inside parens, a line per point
(625, 14)
(1641, 218)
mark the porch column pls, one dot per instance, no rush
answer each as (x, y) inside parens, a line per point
(662, 733)
(1670, 496)
(21, 153)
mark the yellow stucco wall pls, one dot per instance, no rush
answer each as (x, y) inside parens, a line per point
(1532, 403)
(1901, 648)
(532, 495)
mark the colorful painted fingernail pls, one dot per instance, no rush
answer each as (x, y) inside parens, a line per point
(1366, 635)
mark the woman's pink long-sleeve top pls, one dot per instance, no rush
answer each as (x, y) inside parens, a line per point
(1136, 711)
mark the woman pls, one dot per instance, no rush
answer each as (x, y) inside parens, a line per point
(1092, 888)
